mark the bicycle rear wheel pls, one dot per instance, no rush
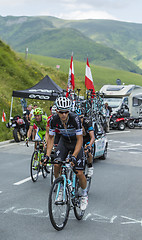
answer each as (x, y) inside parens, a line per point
(34, 167)
(58, 211)
(77, 211)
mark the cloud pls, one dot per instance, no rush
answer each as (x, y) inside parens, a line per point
(126, 10)
(78, 15)
(73, 10)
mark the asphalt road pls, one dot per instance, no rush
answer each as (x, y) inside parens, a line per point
(115, 198)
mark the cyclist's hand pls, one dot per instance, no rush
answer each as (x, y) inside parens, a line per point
(73, 160)
(46, 159)
(87, 149)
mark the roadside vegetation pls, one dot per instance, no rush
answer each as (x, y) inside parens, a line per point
(16, 73)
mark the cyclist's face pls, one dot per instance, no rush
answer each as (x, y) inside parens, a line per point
(63, 115)
(38, 118)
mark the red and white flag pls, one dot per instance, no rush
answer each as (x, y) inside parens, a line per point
(71, 84)
(3, 116)
(88, 78)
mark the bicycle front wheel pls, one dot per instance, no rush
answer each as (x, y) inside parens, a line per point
(58, 209)
(52, 178)
(34, 167)
(77, 211)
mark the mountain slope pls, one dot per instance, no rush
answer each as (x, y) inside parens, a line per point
(17, 74)
(52, 37)
(122, 36)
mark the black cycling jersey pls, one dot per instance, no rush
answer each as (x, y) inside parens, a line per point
(87, 124)
(73, 127)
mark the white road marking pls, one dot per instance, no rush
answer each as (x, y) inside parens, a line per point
(9, 210)
(112, 219)
(88, 215)
(28, 211)
(24, 180)
(7, 145)
(131, 220)
(111, 133)
(0, 191)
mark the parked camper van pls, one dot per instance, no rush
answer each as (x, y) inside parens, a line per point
(118, 95)
(135, 103)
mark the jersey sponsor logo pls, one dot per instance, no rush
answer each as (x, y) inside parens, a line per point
(78, 162)
(58, 152)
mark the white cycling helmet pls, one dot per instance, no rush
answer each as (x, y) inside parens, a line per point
(63, 104)
(53, 110)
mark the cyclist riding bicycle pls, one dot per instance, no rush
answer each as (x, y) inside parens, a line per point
(88, 140)
(40, 121)
(71, 140)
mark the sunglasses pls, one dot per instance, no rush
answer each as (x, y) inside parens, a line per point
(63, 112)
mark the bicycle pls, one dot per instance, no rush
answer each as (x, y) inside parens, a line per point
(71, 196)
(37, 164)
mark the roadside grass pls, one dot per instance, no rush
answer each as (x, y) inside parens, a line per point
(101, 75)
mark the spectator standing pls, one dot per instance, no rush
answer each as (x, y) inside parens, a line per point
(28, 110)
(32, 110)
(108, 111)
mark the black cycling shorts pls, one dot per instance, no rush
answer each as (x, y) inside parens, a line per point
(64, 148)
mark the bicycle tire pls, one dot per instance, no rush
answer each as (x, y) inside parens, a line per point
(77, 211)
(58, 213)
(52, 174)
(44, 172)
(34, 167)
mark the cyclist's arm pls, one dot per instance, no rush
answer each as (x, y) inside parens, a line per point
(50, 144)
(78, 146)
(47, 134)
(92, 138)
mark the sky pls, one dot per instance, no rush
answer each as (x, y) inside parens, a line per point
(122, 10)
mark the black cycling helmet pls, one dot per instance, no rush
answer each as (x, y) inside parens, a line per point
(63, 104)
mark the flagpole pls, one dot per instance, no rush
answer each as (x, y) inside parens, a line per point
(11, 109)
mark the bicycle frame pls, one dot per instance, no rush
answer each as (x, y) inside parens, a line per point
(67, 182)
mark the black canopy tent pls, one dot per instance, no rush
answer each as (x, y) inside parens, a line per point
(46, 89)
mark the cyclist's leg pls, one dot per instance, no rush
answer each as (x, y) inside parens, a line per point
(38, 137)
(80, 165)
(60, 153)
(89, 160)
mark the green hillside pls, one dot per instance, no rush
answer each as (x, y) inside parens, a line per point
(16, 74)
(58, 38)
(124, 37)
(101, 75)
